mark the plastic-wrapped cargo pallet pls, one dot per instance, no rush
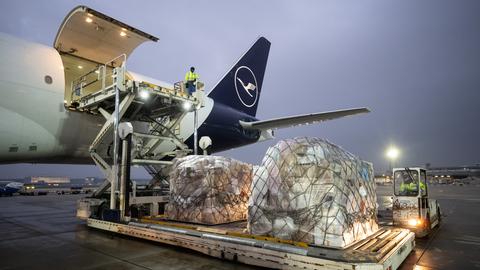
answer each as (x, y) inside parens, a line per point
(310, 190)
(209, 190)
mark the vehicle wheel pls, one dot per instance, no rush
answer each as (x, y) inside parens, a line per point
(439, 215)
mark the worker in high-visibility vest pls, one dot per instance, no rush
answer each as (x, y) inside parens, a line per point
(191, 79)
(411, 187)
(407, 188)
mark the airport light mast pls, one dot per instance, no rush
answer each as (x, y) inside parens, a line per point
(392, 154)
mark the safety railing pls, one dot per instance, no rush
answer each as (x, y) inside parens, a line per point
(182, 87)
(107, 75)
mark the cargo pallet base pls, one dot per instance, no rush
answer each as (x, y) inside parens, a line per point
(386, 249)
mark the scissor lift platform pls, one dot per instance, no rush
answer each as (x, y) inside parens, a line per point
(160, 101)
(151, 115)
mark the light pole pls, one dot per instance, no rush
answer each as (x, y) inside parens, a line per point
(392, 154)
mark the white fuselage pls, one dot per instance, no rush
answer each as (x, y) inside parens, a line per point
(35, 126)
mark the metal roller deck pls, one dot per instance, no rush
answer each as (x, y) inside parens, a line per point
(386, 249)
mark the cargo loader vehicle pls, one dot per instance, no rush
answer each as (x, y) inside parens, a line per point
(412, 208)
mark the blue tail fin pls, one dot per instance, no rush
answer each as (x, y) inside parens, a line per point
(240, 88)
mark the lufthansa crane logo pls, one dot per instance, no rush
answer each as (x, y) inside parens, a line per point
(246, 86)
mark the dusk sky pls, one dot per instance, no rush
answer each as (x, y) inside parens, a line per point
(415, 64)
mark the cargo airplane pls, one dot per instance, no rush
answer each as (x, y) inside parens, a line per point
(36, 126)
(8, 188)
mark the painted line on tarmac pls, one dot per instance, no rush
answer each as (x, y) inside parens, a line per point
(468, 240)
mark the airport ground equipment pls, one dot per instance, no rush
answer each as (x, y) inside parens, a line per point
(412, 208)
(31, 190)
(141, 126)
(386, 249)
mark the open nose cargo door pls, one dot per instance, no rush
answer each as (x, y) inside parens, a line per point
(88, 38)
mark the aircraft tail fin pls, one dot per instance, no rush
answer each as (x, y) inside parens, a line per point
(241, 87)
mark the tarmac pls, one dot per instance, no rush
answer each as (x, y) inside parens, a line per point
(42, 232)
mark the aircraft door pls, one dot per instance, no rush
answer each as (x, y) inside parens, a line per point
(88, 39)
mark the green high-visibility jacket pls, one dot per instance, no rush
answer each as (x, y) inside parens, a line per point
(191, 76)
(422, 185)
(411, 187)
(408, 187)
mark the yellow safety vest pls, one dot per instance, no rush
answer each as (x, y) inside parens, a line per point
(191, 76)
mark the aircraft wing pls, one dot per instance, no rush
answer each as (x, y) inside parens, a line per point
(297, 120)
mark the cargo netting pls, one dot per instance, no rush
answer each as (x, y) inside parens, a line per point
(209, 190)
(310, 190)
